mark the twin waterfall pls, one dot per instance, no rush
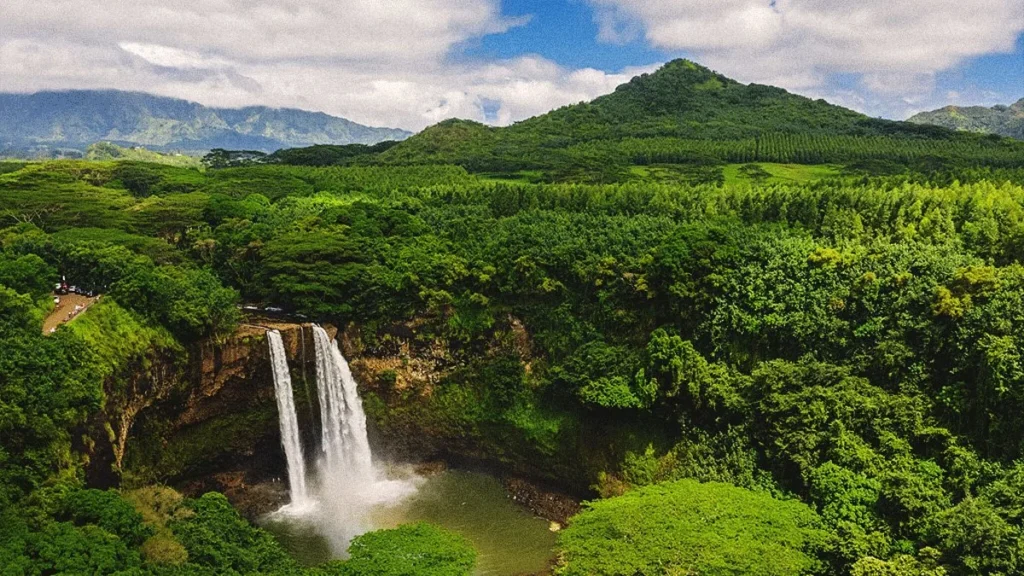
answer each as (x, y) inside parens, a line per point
(345, 451)
(345, 487)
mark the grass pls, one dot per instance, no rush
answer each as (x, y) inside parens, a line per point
(117, 336)
(784, 173)
(7, 166)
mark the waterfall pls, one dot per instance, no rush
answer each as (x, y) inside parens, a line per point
(344, 447)
(288, 421)
(346, 487)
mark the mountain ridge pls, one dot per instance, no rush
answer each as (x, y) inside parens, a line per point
(77, 118)
(1000, 119)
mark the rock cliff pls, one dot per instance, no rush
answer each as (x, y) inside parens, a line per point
(218, 429)
(222, 417)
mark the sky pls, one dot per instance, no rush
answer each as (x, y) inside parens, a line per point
(412, 63)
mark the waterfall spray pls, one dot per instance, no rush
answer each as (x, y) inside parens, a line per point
(288, 421)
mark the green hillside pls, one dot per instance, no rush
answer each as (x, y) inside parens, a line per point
(685, 113)
(1003, 120)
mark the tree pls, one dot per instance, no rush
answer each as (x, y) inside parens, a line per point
(686, 527)
(221, 158)
(410, 550)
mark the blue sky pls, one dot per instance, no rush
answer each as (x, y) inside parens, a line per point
(1001, 74)
(412, 63)
(567, 32)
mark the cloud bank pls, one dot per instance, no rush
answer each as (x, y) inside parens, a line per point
(893, 49)
(395, 62)
(383, 63)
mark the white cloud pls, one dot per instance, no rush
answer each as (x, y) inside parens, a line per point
(895, 47)
(389, 62)
(379, 62)
(250, 30)
(168, 57)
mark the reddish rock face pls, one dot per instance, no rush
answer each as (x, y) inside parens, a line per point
(231, 375)
(222, 415)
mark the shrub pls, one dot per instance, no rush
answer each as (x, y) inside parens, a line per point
(686, 527)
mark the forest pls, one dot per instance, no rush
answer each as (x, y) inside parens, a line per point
(838, 362)
(750, 352)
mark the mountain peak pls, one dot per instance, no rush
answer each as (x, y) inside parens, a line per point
(685, 67)
(678, 75)
(1002, 120)
(657, 116)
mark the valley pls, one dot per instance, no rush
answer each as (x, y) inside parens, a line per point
(691, 327)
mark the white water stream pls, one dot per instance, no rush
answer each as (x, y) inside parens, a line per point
(345, 449)
(347, 486)
(288, 421)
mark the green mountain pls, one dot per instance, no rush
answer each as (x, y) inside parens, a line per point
(1003, 120)
(685, 113)
(75, 119)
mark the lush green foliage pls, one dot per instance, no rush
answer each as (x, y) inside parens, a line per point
(410, 550)
(803, 333)
(685, 527)
(48, 385)
(327, 155)
(67, 530)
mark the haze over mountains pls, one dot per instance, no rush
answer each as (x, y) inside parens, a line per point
(75, 119)
(1002, 120)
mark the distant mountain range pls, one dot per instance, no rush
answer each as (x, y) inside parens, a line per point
(78, 118)
(1002, 120)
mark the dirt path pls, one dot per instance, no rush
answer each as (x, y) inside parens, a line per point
(65, 311)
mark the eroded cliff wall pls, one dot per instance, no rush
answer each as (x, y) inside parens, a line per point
(223, 417)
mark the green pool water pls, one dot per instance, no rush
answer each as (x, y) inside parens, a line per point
(508, 539)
